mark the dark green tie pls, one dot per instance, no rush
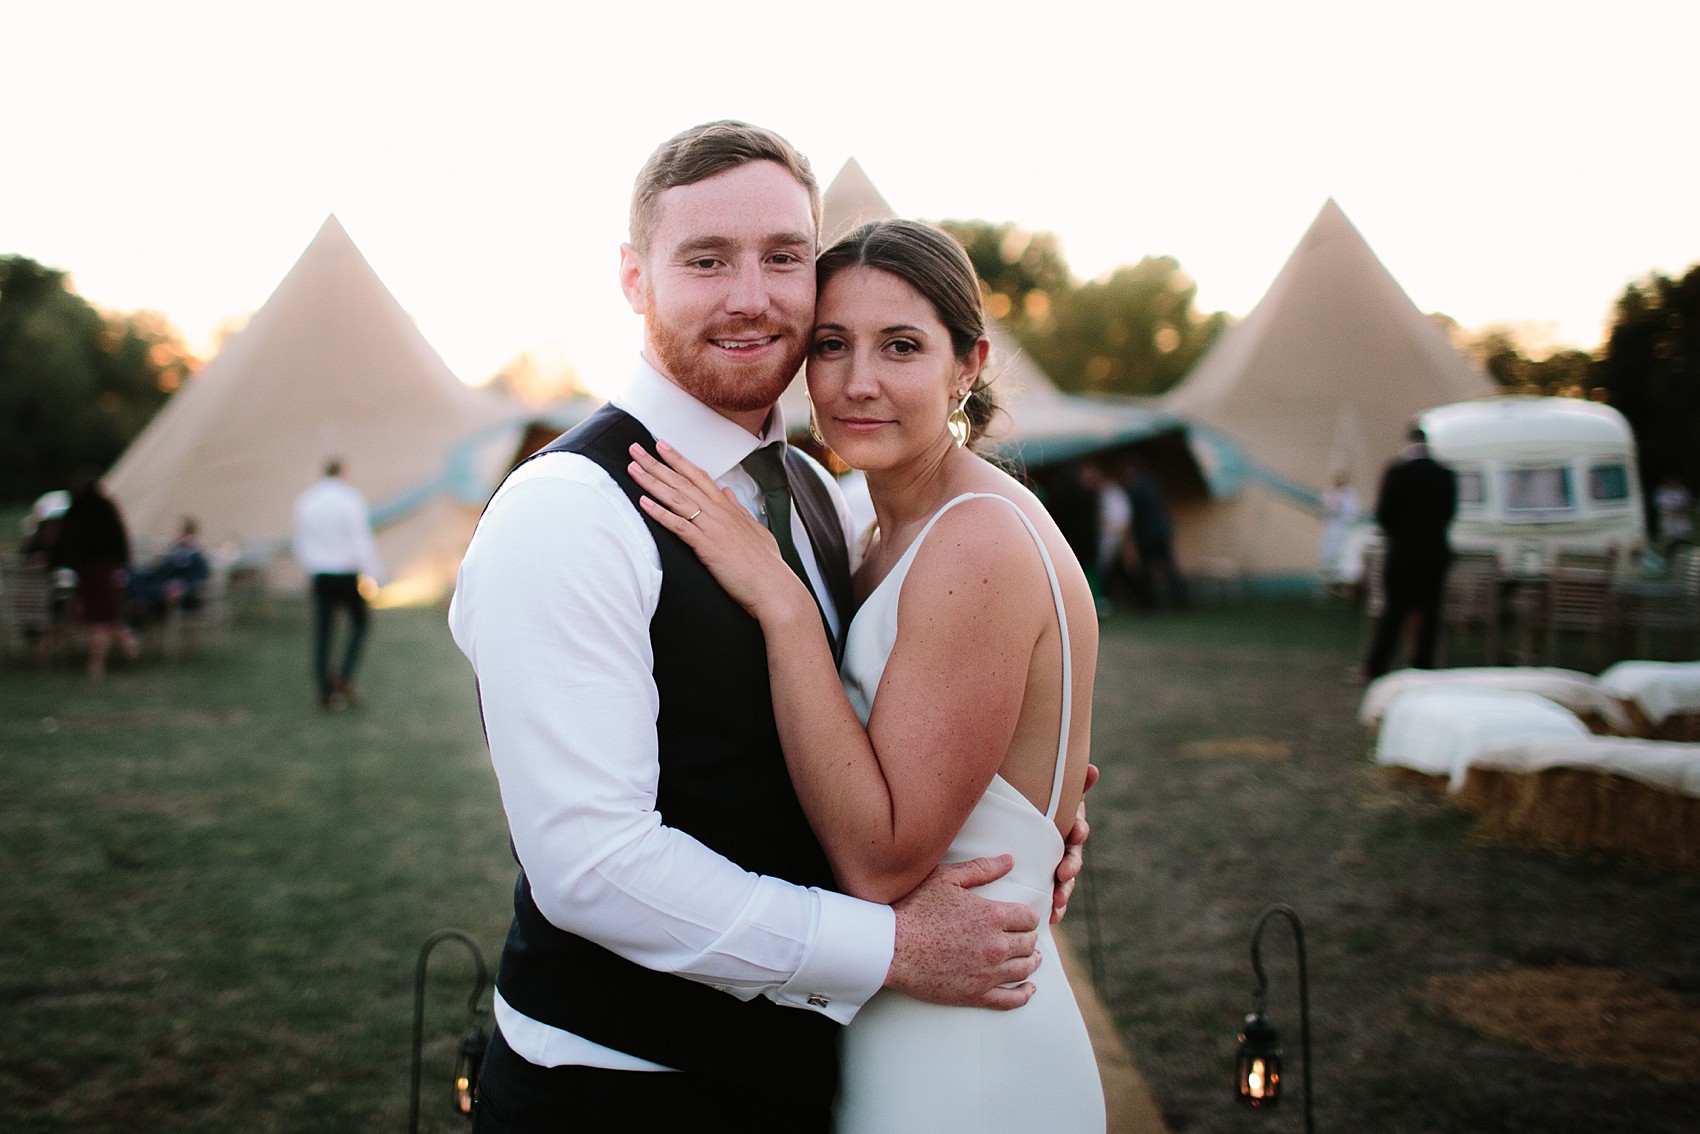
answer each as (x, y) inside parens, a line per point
(767, 466)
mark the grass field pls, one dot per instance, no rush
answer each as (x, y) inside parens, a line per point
(215, 894)
(1235, 775)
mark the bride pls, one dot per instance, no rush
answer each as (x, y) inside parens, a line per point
(958, 724)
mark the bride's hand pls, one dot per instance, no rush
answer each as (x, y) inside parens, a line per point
(736, 548)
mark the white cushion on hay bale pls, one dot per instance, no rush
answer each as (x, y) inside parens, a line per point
(1664, 764)
(1575, 690)
(1661, 690)
(1600, 793)
(1437, 729)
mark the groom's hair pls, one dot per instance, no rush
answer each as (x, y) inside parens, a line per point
(702, 152)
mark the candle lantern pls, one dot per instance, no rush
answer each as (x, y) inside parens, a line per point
(1259, 1062)
(1258, 1066)
(469, 1059)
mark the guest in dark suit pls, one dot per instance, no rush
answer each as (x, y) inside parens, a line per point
(1418, 498)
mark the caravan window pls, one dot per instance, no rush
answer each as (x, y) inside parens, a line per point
(1471, 489)
(1533, 491)
(1608, 484)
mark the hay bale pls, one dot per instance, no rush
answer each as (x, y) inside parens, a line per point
(1579, 809)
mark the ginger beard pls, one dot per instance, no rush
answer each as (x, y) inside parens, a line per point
(714, 375)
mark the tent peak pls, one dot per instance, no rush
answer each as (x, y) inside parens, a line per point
(851, 200)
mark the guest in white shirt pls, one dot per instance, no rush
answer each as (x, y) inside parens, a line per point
(333, 543)
(678, 956)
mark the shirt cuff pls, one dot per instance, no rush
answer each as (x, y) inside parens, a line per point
(847, 959)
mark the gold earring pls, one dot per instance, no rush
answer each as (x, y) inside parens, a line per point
(814, 425)
(958, 422)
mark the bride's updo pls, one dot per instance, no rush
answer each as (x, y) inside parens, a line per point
(934, 264)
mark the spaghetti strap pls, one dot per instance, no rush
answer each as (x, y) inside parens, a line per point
(1058, 775)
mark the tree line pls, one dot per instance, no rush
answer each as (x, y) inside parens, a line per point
(77, 384)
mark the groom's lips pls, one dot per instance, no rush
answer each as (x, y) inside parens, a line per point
(744, 342)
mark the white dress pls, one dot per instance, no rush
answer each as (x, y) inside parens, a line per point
(911, 1066)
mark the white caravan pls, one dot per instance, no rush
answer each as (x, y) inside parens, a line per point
(1540, 475)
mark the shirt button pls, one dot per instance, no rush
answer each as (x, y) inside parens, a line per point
(818, 1001)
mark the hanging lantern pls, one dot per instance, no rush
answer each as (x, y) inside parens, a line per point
(1259, 1063)
(467, 1066)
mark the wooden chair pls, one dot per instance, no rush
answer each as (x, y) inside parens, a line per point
(1669, 609)
(1374, 588)
(1578, 601)
(1471, 602)
(26, 609)
(204, 627)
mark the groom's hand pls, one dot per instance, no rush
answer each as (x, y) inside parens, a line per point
(955, 947)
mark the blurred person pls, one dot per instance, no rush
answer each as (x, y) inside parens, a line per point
(93, 542)
(1113, 520)
(334, 545)
(1414, 507)
(1153, 540)
(1673, 504)
(1340, 509)
(177, 579)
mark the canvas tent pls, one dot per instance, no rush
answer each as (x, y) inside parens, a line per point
(330, 366)
(1325, 373)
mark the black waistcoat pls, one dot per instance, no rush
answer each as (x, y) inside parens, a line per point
(722, 780)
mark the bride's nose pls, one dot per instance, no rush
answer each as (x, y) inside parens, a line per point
(861, 382)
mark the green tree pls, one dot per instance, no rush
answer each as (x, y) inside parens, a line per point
(1133, 332)
(1563, 374)
(1650, 371)
(75, 385)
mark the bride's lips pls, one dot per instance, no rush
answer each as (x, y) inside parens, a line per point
(861, 424)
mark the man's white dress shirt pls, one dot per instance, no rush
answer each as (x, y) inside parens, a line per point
(333, 535)
(552, 609)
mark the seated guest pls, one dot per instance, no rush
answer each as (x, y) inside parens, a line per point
(177, 579)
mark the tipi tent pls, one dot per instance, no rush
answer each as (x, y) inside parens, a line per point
(330, 366)
(1325, 374)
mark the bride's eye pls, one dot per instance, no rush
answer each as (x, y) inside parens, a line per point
(903, 346)
(829, 344)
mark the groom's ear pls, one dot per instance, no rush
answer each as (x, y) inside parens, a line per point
(632, 279)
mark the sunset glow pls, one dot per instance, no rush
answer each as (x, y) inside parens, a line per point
(1510, 163)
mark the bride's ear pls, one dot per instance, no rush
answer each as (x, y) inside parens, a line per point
(973, 364)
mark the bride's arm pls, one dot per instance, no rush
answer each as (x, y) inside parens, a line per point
(886, 801)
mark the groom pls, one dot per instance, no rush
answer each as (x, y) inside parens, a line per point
(678, 955)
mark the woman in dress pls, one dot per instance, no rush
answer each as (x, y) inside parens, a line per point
(960, 723)
(94, 543)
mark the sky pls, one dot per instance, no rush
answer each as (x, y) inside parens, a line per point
(1509, 162)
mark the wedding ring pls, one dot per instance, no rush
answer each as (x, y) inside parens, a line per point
(692, 518)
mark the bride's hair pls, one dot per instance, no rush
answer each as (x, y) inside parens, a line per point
(934, 264)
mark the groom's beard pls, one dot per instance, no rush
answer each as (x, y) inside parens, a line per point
(702, 369)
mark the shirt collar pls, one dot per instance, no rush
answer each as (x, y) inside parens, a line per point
(708, 440)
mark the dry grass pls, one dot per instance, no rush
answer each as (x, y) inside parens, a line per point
(1198, 824)
(1583, 1017)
